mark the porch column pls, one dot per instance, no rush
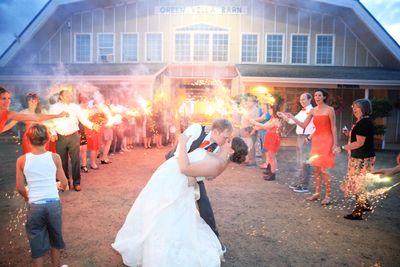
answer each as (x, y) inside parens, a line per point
(366, 93)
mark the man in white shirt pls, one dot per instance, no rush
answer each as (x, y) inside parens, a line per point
(221, 132)
(303, 144)
(68, 138)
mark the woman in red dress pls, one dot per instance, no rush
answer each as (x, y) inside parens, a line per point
(272, 141)
(34, 107)
(91, 140)
(324, 143)
(5, 114)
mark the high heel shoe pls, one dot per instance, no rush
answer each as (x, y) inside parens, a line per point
(367, 206)
(105, 161)
(270, 177)
(267, 171)
(355, 215)
(84, 169)
(314, 197)
(326, 201)
(94, 168)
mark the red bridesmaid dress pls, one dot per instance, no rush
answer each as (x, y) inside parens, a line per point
(3, 119)
(272, 140)
(322, 141)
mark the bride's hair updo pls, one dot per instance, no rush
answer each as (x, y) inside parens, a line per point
(240, 150)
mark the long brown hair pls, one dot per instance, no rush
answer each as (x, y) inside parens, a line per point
(275, 109)
(33, 96)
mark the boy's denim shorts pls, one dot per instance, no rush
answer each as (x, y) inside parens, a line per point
(43, 227)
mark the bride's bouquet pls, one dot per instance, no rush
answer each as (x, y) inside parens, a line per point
(98, 118)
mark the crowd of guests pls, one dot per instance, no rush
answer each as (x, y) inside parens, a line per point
(71, 130)
(316, 147)
(85, 131)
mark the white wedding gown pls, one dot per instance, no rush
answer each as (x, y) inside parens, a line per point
(163, 227)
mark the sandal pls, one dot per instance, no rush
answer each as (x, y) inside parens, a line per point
(326, 201)
(314, 197)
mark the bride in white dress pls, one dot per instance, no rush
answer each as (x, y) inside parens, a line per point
(163, 227)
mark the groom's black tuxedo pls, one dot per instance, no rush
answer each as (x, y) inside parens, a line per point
(203, 203)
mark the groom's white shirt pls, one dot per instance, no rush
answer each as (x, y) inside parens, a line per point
(194, 131)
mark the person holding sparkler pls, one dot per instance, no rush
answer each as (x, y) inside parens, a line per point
(389, 171)
(303, 144)
(324, 142)
(34, 107)
(272, 141)
(67, 129)
(361, 158)
(251, 112)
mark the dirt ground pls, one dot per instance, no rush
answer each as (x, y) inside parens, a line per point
(262, 223)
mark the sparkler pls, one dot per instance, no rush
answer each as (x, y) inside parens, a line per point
(375, 178)
(312, 158)
(381, 191)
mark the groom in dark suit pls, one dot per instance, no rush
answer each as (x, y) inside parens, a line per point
(221, 132)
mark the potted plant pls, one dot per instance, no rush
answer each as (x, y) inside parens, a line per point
(381, 109)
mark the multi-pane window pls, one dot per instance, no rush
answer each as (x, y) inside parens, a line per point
(249, 48)
(220, 47)
(201, 47)
(324, 49)
(182, 47)
(201, 43)
(274, 48)
(129, 47)
(82, 48)
(105, 47)
(153, 47)
(299, 49)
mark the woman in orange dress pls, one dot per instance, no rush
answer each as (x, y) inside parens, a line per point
(324, 143)
(272, 141)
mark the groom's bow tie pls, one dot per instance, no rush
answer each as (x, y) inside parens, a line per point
(204, 144)
(211, 147)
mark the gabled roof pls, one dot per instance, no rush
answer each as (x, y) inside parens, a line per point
(370, 21)
(51, 6)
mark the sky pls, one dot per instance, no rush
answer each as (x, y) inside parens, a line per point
(16, 14)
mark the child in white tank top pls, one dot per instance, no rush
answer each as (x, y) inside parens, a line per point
(40, 169)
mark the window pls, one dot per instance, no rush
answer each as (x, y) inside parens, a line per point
(182, 47)
(324, 49)
(201, 47)
(129, 47)
(220, 47)
(105, 45)
(274, 48)
(299, 49)
(153, 47)
(201, 43)
(249, 48)
(83, 48)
